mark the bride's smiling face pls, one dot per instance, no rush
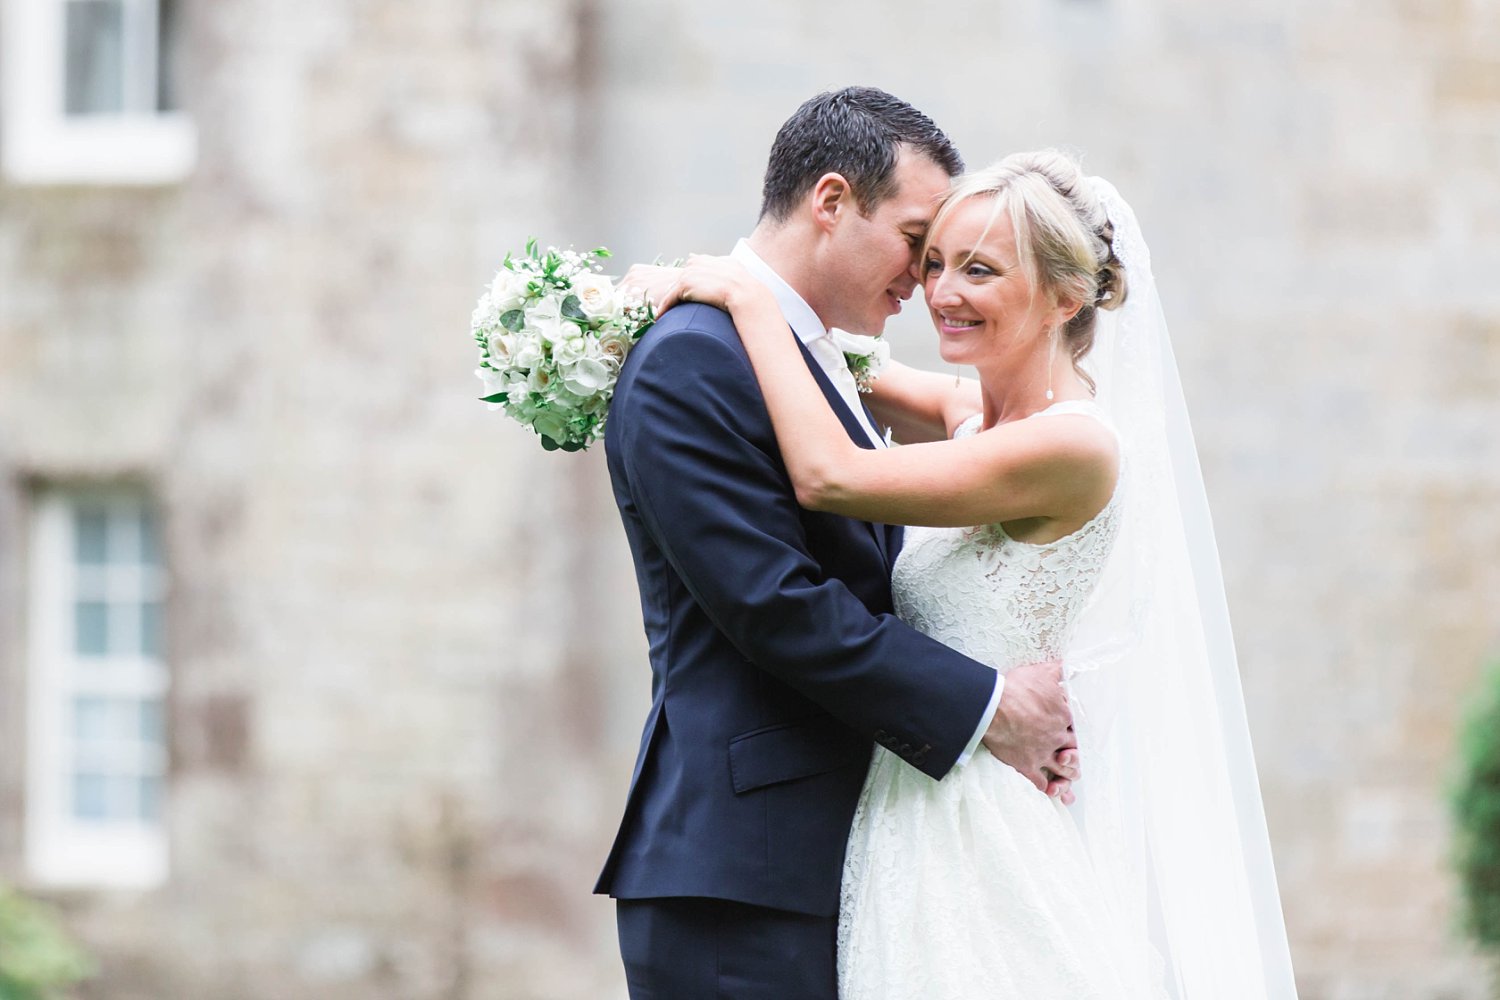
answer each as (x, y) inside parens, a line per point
(983, 303)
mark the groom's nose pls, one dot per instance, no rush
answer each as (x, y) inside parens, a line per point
(914, 270)
(906, 284)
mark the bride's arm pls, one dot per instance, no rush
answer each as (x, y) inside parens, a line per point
(917, 405)
(920, 405)
(1061, 467)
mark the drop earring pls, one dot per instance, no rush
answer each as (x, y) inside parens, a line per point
(1051, 358)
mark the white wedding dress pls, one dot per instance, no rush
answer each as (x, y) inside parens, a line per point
(979, 885)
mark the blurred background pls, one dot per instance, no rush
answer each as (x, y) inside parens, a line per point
(319, 680)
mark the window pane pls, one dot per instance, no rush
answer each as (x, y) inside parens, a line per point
(91, 536)
(92, 722)
(91, 628)
(149, 801)
(167, 49)
(152, 725)
(150, 542)
(95, 67)
(91, 796)
(151, 629)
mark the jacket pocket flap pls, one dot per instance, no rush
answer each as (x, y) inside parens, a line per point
(787, 752)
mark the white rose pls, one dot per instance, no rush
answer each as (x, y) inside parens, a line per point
(526, 349)
(549, 306)
(571, 348)
(517, 387)
(540, 379)
(499, 344)
(554, 331)
(509, 289)
(596, 294)
(587, 376)
(546, 319)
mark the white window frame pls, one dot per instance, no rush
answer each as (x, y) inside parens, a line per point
(62, 850)
(42, 144)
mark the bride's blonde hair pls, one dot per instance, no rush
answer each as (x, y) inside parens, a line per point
(1063, 235)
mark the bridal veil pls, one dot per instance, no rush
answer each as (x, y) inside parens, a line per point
(1170, 804)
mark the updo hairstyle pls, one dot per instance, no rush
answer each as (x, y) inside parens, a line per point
(1063, 236)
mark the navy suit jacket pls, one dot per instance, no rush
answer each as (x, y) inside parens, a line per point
(776, 660)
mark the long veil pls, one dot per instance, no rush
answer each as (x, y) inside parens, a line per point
(1170, 805)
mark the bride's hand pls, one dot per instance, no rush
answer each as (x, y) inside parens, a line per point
(650, 283)
(715, 281)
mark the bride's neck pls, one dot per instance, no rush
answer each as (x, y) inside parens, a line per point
(1018, 389)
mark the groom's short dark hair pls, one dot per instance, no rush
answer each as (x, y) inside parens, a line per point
(857, 132)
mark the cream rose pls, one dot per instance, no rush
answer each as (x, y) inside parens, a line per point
(596, 294)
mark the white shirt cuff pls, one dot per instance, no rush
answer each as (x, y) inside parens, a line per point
(984, 722)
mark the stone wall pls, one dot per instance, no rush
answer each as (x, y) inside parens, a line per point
(394, 761)
(407, 665)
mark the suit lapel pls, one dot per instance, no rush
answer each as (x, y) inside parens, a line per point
(852, 426)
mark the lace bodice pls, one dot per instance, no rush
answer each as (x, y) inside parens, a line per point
(998, 600)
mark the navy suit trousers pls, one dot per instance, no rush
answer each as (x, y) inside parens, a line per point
(715, 949)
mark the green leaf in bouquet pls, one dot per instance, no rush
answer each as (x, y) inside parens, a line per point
(513, 320)
(572, 309)
(602, 252)
(499, 397)
(531, 248)
(550, 444)
(573, 446)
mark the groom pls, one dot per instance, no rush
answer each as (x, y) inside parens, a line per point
(776, 659)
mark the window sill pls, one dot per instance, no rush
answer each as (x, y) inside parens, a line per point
(144, 151)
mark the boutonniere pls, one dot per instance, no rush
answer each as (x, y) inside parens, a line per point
(866, 356)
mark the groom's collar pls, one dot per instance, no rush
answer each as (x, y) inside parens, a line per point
(794, 308)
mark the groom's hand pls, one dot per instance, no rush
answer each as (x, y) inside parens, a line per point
(1032, 730)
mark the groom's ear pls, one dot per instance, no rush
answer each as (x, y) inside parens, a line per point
(831, 196)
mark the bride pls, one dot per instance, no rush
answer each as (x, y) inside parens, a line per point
(1061, 514)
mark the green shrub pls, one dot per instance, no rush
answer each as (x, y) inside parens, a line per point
(37, 959)
(1477, 815)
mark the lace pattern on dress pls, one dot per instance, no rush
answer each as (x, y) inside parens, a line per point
(982, 849)
(999, 600)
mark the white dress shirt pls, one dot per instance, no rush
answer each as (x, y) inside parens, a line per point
(811, 331)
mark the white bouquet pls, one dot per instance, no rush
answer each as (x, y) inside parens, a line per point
(552, 335)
